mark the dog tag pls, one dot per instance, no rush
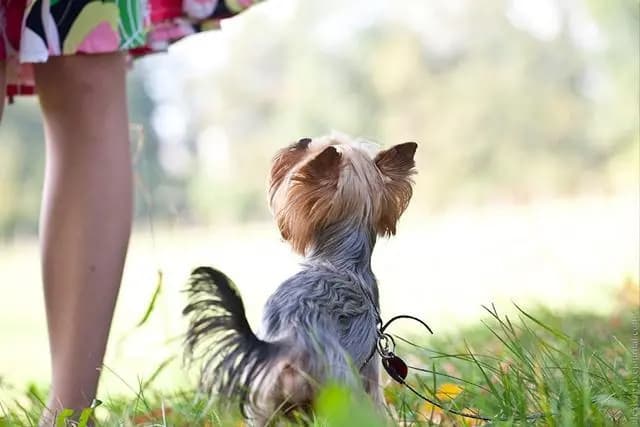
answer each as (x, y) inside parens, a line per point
(396, 368)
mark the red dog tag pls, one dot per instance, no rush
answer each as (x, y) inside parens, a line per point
(396, 368)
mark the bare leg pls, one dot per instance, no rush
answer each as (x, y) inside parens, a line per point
(86, 214)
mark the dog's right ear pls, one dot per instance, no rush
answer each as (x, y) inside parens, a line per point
(284, 161)
(309, 199)
(322, 169)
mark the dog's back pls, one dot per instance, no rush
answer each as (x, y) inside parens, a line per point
(326, 315)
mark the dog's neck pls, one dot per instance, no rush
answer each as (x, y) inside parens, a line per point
(346, 247)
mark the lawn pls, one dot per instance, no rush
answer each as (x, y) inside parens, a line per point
(569, 257)
(539, 369)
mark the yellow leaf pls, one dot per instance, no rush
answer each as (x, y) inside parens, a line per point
(431, 413)
(448, 391)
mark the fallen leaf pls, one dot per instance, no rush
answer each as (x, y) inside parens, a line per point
(432, 413)
(154, 415)
(448, 391)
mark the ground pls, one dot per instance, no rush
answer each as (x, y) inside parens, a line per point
(566, 256)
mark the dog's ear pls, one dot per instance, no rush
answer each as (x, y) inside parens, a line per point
(322, 169)
(309, 199)
(397, 166)
(283, 162)
(398, 160)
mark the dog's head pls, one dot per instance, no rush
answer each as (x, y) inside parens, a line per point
(317, 182)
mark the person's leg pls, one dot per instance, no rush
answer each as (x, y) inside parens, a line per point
(86, 214)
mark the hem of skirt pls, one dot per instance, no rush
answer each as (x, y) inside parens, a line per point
(25, 60)
(133, 41)
(32, 59)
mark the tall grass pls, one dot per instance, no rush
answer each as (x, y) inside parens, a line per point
(569, 371)
(542, 369)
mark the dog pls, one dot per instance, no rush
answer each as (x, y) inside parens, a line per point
(331, 197)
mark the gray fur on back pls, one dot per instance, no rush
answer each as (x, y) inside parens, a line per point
(323, 310)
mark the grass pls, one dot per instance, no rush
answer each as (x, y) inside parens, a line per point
(568, 371)
(576, 369)
(563, 256)
(441, 268)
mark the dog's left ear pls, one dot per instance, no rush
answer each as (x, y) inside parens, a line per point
(397, 166)
(323, 168)
(398, 160)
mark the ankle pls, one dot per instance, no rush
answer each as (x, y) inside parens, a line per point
(79, 414)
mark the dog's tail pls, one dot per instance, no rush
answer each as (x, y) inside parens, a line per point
(235, 359)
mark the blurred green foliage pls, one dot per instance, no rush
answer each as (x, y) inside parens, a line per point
(500, 113)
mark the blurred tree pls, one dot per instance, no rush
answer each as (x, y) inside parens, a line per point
(510, 100)
(500, 112)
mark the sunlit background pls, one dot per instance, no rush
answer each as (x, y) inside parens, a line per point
(526, 115)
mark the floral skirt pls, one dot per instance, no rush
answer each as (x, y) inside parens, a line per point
(33, 30)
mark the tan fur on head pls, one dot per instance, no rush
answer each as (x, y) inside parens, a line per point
(318, 182)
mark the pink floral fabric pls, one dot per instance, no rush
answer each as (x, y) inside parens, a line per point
(33, 30)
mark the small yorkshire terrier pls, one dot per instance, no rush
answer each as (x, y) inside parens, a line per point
(331, 197)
